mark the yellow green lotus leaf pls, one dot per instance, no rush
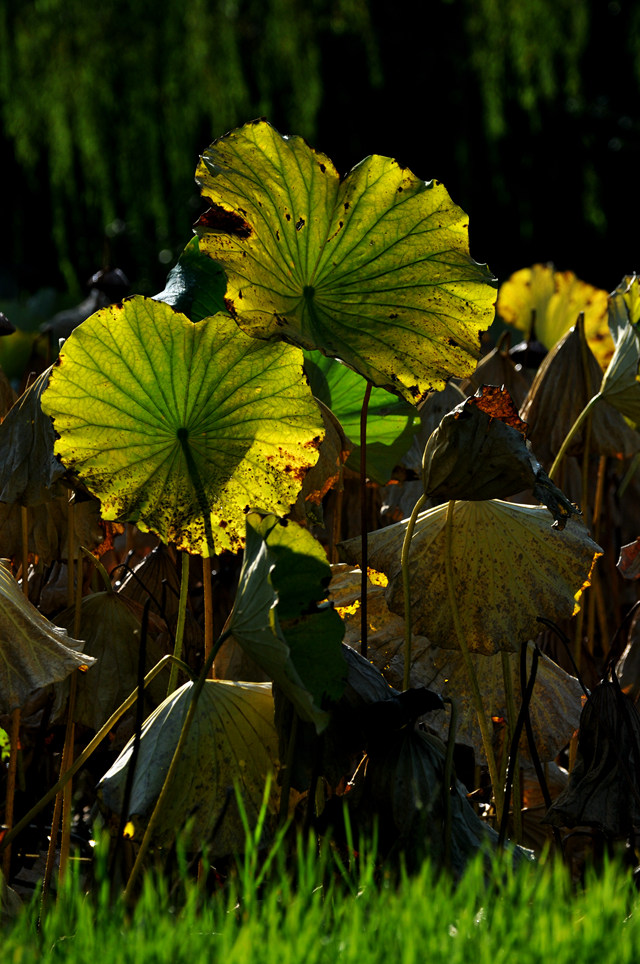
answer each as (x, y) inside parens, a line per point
(621, 383)
(232, 742)
(33, 652)
(509, 567)
(373, 268)
(182, 427)
(549, 303)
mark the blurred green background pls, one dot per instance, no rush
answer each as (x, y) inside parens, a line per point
(527, 110)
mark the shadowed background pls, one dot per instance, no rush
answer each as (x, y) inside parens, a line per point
(526, 111)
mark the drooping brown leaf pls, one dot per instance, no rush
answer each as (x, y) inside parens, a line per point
(48, 527)
(480, 451)
(629, 561)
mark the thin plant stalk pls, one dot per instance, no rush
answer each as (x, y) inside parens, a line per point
(90, 748)
(14, 744)
(286, 776)
(406, 586)
(364, 521)
(511, 718)
(208, 610)
(498, 790)
(173, 766)
(182, 614)
(24, 525)
(573, 431)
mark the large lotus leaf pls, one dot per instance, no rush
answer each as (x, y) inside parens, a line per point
(546, 302)
(28, 467)
(479, 451)
(182, 427)
(555, 704)
(373, 269)
(509, 567)
(196, 285)
(110, 626)
(33, 652)
(279, 619)
(48, 527)
(389, 419)
(231, 743)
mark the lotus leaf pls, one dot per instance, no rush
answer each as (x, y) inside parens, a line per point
(33, 652)
(555, 704)
(231, 743)
(509, 567)
(548, 302)
(373, 269)
(182, 427)
(28, 467)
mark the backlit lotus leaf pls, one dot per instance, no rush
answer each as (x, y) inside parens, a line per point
(373, 268)
(33, 652)
(621, 383)
(182, 427)
(509, 567)
(549, 302)
(232, 742)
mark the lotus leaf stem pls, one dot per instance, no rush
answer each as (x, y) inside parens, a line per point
(104, 731)
(447, 776)
(511, 721)
(573, 431)
(498, 790)
(173, 766)
(406, 587)
(364, 520)
(182, 613)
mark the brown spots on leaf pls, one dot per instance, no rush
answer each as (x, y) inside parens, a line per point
(414, 391)
(231, 308)
(221, 221)
(223, 524)
(288, 217)
(393, 315)
(323, 168)
(277, 235)
(300, 223)
(346, 205)
(240, 293)
(400, 189)
(453, 343)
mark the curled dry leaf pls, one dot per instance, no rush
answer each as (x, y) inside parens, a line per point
(480, 451)
(509, 567)
(33, 652)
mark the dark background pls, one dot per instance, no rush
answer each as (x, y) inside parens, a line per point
(527, 112)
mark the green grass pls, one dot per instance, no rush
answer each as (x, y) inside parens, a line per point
(340, 914)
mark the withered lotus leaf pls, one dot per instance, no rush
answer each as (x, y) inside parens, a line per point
(509, 567)
(555, 704)
(480, 451)
(559, 393)
(33, 652)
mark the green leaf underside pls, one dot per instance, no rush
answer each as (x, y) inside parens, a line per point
(389, 419)
(373, 269)
(182, 427)
(196, 285)
(276, 619)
